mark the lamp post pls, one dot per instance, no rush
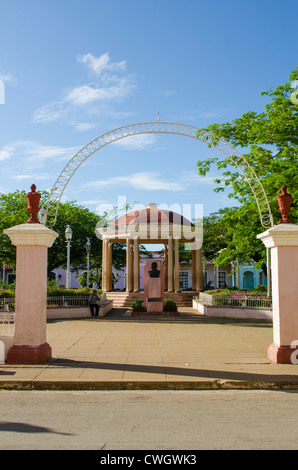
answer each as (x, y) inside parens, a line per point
(42, 216)
(68, 236)
(88, 249)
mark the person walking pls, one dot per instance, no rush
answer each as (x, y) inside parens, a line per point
(94, 303)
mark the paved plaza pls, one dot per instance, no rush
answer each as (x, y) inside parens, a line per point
(186, 352)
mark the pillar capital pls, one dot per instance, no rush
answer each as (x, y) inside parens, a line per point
(280, 235)
(31, 234)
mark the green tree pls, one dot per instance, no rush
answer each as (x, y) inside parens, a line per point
(269, 142)
(13, 211)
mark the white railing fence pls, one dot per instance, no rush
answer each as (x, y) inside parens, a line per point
(6, 324)
(67, 301)
(240, 302)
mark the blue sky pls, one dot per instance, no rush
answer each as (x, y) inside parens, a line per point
(74, 70)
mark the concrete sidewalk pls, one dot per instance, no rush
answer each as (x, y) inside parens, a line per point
(163, 352)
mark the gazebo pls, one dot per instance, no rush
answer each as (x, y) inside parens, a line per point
(152, 226)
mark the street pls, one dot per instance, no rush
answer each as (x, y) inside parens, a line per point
(143, 420)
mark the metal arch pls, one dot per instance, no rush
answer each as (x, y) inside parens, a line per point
(160, 128)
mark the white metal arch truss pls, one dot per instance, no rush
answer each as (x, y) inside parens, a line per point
(160, 128)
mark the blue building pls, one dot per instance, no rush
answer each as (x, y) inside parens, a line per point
(249, 277)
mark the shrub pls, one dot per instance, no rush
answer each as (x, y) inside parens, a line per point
(169, 306)
(6, 293)
(60, 291)
(137, 306)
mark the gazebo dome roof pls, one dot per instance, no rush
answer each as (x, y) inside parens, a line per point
(152, 215)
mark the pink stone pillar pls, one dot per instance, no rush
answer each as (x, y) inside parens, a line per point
(32, 242)
(283, 243)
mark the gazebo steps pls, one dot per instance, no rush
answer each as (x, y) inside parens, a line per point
(124, 299)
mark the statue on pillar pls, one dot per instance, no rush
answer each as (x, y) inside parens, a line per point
(154, 271)
(33, 199)
(284, 202)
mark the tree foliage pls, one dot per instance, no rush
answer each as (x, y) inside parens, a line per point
(13, 211)
(269, 142)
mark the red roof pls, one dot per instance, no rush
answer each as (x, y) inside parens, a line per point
(152, 215)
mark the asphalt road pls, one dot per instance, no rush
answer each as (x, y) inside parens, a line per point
(156, 420)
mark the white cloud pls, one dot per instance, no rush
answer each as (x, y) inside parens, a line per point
(8, 77)
(6, 152)
(137, 142)
(85, 126)
(144, 181)
(87, 94)
(193, 178)
(110, 83)
(37, 153)
(102, 64)
(29, 176)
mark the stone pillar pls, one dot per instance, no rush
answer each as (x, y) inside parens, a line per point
(166, 266)
(128, 265)
(215, 276)
(170, 265)
(131, 266)
(177, 280)
(109, 266)
(199, 270)
(136, 283)
(194, 270)
(283, 242)
(32, 242)
(104, 266)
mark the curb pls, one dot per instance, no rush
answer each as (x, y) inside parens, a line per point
(166, 386)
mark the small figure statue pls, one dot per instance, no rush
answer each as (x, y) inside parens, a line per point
(154, 271)
(33, 199)
(284, 202)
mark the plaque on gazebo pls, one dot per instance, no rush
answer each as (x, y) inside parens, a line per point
(154, 286)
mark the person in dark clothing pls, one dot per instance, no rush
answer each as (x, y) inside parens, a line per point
(94, 302)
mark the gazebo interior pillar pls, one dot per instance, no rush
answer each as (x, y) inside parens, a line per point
(109, 267)
(136, 265)
(129, 265)
(170, 265)
(177, 280)
(103, 269)
(197, 270)
(194, 270)
(166, 265)
(200, 270)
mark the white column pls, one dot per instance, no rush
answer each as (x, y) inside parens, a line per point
(268, 272)
(136, 254)
(194, 270)
(170, 265)
(128, 265)
(103, 267)
(199, 270)
(109, 266)
(166, 266)
(177, 280)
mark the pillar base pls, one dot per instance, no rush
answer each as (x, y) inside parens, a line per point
(24, 354)
(281, 354)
